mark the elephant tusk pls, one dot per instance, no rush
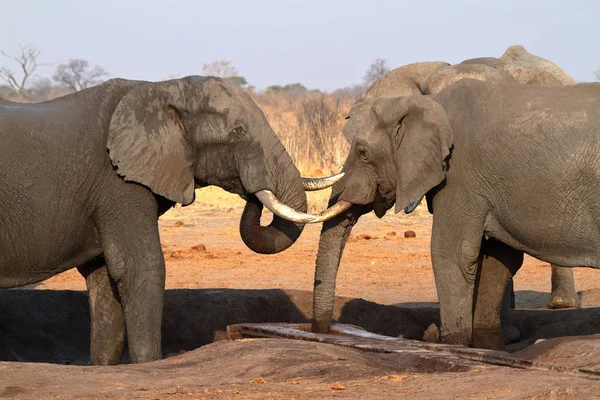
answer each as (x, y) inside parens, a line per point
(278, 208)
(331, 212)
(311, 184)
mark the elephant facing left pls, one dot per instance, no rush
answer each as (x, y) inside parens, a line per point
(84, 178)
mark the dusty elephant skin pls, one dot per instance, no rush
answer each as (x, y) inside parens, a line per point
(84, 177)
(494, 160)
(515, 66)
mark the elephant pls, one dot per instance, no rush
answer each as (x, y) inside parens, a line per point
(494, 161)
(84, 178)
(423, 78)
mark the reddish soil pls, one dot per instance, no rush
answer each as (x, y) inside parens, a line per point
(386, 263)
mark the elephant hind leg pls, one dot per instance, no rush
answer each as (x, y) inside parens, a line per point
(563, 293)
(107, 332)
(499, 263)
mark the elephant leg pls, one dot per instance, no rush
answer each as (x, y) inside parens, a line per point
(455, 255)
(499, 263)
(107, 332)
(563, 293)
(134, 258)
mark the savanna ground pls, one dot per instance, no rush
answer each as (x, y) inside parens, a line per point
(227, 283)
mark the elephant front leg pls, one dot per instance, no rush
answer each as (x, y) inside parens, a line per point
(136, 263)
(455, 256)
(499, 263)
(107, 332)
(563, 293)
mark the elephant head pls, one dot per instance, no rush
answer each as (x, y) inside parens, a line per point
(526, 68)
(175, 136)
(529, 69)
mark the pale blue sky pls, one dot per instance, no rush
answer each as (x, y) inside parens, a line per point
(324, 44)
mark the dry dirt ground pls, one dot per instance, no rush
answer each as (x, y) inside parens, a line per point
(385, 285)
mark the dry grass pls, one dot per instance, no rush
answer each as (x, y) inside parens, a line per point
(310, 128)
(309, 125)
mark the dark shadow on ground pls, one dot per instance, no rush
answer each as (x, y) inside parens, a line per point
(409, 323)
(53, 326)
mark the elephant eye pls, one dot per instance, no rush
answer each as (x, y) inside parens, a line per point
(364, 155)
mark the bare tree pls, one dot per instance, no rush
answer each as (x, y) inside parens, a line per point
(221, 68)
(27, 58)
(76, 75)
(376, 71)
(597, 74)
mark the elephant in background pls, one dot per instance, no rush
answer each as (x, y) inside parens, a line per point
(420, 79)
(84, 178)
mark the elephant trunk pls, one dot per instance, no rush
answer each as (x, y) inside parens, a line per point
(289, 189)
(334, 235)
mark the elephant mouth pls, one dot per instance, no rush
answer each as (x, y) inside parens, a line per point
(384, 200)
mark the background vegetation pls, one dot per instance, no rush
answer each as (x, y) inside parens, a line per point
(308, 122)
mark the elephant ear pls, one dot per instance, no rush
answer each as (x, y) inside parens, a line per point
(421, 139)
(147, 140)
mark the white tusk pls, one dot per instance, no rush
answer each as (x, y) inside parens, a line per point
(278, 208)
(311, 184)
(333, 211)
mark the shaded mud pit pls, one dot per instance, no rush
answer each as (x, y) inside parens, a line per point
(44, 326)
(53, 326)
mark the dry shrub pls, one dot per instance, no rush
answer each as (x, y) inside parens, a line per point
(310, 127)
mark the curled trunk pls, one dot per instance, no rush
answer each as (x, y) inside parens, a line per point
(289, 189)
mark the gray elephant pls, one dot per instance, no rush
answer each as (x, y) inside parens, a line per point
(505, 168)
(415, 79)
(83, 179)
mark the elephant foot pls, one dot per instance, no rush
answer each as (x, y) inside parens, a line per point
(460, 338)
(484, 338)
(493, 339)
(564, 299)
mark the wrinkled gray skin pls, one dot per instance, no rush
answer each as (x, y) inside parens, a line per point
(497, 163)
(83, 179)
(421, 78)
